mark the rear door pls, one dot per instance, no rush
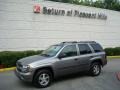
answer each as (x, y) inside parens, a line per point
(84, 57)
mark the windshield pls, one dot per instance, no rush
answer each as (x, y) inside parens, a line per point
(51, 51)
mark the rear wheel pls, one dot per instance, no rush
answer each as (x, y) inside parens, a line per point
(95, 69)
(42, 79)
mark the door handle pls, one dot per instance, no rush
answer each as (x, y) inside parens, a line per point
(91, 56)
(76, 59)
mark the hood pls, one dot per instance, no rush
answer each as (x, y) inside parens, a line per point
(30, 59)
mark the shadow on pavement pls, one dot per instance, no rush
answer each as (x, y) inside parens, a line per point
(71, 76)
(25, 84)
(57, 80)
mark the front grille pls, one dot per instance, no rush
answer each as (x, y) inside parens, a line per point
(19, 66)
(19, 69)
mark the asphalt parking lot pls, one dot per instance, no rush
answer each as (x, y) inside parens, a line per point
(106, 81)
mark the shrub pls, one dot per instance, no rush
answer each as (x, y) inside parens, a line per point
(9, 58)
(112, 51)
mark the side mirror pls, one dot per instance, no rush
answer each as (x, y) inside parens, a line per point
(62, 55)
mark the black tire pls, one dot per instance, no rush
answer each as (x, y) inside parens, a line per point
(94, 72)
(36, 80)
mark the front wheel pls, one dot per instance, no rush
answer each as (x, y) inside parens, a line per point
(95, 69)
(42, 79)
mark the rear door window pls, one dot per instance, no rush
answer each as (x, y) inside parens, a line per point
(84, 49)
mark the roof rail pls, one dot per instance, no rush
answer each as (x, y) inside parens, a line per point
(87, 42)
(78, 42)
(70, 42)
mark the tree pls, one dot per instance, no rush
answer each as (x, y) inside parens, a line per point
(76, 1)
(107, 4)
(98, 4)
(65, 1)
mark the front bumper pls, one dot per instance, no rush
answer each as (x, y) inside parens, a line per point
(24, 76)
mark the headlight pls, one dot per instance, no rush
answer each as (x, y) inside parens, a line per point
(25, 68)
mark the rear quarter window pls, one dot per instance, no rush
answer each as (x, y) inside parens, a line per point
(97, 47)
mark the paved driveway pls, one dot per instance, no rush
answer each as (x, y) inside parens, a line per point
(106, 81)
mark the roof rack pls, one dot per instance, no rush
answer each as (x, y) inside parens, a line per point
(87, 42)
(70, 42)
(79, 42)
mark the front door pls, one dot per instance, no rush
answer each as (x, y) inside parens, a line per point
(67, 62)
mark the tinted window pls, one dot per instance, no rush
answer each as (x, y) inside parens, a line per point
(97, 47)
(84, 49)
(69, 51)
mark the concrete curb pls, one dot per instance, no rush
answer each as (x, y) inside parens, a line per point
(113, 57)
(7, 69)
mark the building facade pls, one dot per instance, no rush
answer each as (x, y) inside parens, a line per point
(36, 24)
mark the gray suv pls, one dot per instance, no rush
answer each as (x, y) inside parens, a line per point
(61, 59)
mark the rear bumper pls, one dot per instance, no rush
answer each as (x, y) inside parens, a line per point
(27, 77)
